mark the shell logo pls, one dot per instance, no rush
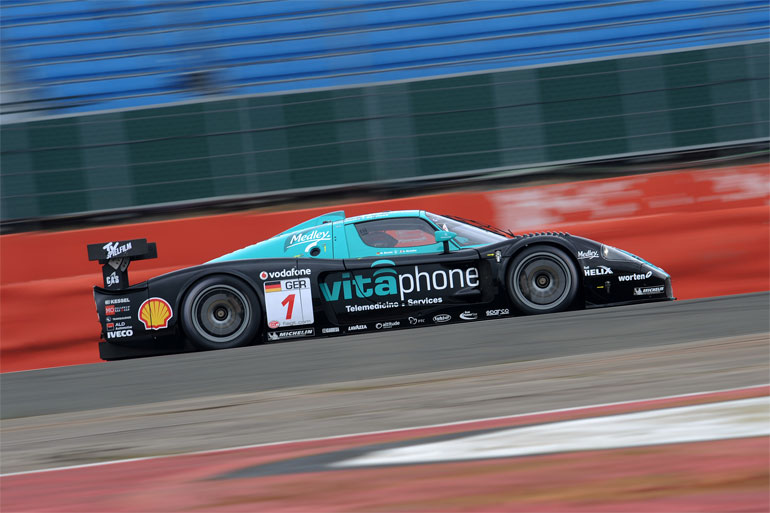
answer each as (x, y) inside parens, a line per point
(155, 313)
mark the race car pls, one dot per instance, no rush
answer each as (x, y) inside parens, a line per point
(334, 275)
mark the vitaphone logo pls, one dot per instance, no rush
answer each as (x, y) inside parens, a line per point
(312, 237)
(388, 282)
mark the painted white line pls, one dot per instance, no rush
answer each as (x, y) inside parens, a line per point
(714, 421)
(385, 431)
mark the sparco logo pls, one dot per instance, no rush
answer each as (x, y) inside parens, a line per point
(284, 273)
(113, 249)
(588, 255)
(120, 333)
(634, 277)
(498, 312)
(113, 279)
(442, 318)
(386, 325)
(311, 238)
(599, 271)
(388, 282)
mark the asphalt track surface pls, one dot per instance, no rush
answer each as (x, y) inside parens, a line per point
(379, 355)
(180, 404)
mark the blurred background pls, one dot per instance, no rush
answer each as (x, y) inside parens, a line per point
(141, 107)
(125, 119)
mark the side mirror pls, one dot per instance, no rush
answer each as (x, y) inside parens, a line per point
(445, 236)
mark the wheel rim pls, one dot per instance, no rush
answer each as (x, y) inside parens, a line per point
(542, 281)
(220, 313)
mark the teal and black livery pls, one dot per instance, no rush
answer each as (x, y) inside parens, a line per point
(336, 275)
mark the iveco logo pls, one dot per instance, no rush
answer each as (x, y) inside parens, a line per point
(442, 318)
(120, 333)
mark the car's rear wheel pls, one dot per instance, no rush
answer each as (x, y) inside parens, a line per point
(221, 312)
(542, 279)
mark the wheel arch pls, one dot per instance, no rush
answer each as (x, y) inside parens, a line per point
(558, 243)
(232, 273)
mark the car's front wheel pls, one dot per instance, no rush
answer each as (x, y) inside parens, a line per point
(221, 312)
(542, 279)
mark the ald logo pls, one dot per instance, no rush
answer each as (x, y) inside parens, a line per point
(388, 282)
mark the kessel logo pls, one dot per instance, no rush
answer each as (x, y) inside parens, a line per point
(442, 318)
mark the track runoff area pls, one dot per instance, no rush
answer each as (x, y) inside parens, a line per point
(694, 452)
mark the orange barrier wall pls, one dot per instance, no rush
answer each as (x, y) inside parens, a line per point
(708, 228)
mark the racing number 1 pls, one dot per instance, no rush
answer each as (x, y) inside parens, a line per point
(289, 301)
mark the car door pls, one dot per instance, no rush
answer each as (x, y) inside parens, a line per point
(402, 276)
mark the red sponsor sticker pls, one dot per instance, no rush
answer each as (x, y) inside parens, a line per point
(109, 310)
(274, 324)
(110, 325)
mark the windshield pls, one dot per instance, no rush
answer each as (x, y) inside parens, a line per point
(468, 234)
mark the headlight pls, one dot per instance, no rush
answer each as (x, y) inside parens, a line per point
(610, 253)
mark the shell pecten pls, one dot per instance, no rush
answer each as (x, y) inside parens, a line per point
(155, 313)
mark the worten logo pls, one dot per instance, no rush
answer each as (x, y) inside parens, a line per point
(284, 273)
(114, 249)
(387, 282)
(634, 277)
(310, 238)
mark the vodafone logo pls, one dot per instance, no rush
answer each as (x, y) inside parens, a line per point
(284, 273)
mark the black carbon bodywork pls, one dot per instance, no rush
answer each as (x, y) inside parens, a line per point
(367, 294)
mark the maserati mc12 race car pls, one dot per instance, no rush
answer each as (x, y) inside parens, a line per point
(334, 275)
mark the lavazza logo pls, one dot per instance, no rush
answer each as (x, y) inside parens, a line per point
(114, 249)
(634, 277)
(386, 283)
(284, 273)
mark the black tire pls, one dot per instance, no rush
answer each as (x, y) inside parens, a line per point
(221, 312)
(542, 279)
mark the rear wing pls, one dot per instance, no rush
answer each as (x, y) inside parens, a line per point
(115, 257)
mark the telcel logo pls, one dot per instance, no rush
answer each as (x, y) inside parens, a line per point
(388, 282)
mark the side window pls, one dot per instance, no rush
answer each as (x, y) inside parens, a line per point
(396, 233)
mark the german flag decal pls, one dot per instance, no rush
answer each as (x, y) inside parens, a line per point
(273, 286)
